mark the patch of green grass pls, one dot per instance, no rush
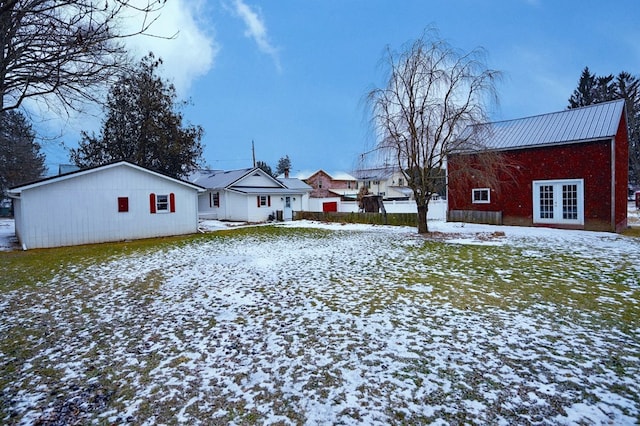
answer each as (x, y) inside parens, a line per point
(476, 278)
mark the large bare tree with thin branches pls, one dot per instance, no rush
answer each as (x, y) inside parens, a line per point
(59, 51)
(434, 96)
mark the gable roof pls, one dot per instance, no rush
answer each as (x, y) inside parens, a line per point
(295, 183)
(590, 123)
(337, 175)
(380, 173)
(220, 178)
(74, 174)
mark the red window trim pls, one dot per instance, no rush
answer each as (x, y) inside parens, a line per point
(268, 200)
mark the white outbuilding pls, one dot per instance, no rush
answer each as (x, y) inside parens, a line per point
(114, 202)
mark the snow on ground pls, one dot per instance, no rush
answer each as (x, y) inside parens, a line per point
(328, 328)
(8, 239)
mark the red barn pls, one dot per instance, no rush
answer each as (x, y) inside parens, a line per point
(570, 171)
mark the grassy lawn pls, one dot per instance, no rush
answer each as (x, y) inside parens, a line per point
(291, 326)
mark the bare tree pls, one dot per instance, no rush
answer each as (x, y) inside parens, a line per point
(434, 92)
(59, 51)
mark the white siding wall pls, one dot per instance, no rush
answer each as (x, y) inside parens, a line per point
(84, 209)
(257, 181)
(236, 207)
(206, 210)
(244, 208)
(261, 214)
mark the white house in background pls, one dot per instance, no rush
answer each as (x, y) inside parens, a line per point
(389, 182)
(249, 195)
(118, 201)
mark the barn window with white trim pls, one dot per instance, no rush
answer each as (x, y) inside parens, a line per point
(481, 196)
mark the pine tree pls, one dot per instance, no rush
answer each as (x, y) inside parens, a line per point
(593, 89)
(628, 88)
(584, 94)
(20, 158)
(143, 126)
(265, 167)
(284, 164)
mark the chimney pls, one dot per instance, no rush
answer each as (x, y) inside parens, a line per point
(286, 173)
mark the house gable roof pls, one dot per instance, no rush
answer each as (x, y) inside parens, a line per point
(333, 176)
(590, 123)
(74, 174)
(380, 173)
(240, 181)
(219, 179)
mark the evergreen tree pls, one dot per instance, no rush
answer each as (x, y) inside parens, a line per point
(143, 126)
(265, 167)
(20, 158)
(284, 164)
(583, 95)
(593, 89)
(627, 87)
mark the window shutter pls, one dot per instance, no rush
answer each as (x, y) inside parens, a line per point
(172, 202)
(269, 201)
(123, 204)
(210, 199)
(258, 197)
(152, 203)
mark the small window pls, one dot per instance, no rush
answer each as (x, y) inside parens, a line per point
(320, 184)
(214, 200)
(123, 204)
(481, 196)
(162, 203)
(400, 182)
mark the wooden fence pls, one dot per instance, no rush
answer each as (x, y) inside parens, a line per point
(397, 219)
(474, 216)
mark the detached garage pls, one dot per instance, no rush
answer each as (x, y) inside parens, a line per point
(570, 171)
(114, 202)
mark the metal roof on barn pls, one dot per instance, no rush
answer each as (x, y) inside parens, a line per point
(590, 123)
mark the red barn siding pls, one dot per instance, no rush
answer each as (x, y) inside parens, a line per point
(590, 161)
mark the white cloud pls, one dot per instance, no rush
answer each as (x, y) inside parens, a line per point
(191, 54)
(257, 30)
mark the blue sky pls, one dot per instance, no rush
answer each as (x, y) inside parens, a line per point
(292, 75)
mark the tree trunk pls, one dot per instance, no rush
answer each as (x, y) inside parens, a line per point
(422, 218)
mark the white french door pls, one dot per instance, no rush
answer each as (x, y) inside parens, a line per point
(558, 201)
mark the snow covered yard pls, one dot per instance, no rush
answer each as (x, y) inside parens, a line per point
(308, 323)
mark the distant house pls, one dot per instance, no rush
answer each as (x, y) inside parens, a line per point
(249, 195)
(118, 201)
(389, 182)
(327, 185)
(571, 171)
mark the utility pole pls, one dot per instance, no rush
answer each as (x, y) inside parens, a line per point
(253, 152)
